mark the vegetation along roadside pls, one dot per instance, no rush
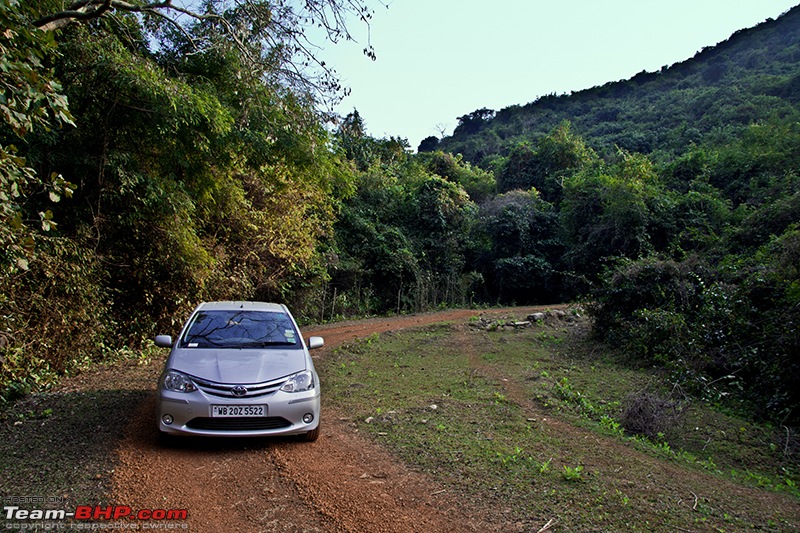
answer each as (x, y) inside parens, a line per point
(148, 163)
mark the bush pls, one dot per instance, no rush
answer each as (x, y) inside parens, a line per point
(53, 317)
(644, 298)
(649, 414)
(724, 331)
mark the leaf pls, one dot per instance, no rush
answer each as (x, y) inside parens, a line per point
(47, 220)
(54, 197)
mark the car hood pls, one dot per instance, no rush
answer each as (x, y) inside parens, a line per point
(238, 365)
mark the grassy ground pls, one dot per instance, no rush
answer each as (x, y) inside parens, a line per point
(527, 421)
(61, 445)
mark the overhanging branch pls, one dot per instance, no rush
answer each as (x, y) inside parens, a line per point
(84, 10)
(252, 26)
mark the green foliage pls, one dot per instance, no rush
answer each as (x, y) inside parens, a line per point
(473, 122)
(522, 247)
(611, 211)
(53, 317)
(199, 177)
(478, 184)
(402, 239)
(428, 144)
(364, 151)
(724, 331)
(701, 217)
(374, 256)
(557, 155)
(757, 166)
(30, 100)
(195, 187)
(574, 474)
(203, 170)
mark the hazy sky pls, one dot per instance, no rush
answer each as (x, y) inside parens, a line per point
(441, 59)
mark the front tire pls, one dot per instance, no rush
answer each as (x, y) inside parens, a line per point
(165, 440)
(312, 435)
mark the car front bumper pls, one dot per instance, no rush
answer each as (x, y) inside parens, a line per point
(191, 414)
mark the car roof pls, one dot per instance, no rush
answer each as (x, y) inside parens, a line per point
(250, 306)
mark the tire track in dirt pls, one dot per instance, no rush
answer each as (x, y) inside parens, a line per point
(230, 485)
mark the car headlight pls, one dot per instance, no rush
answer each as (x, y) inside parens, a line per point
(178, 382)
(300, 382)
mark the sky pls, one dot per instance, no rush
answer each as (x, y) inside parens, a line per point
(438, 60)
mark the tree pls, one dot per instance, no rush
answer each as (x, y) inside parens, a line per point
(478, 183)
(610, 212)
(556, 156)
(352, 136)
(525, 250)
(471, 123)
(265, 33)
(428, 144)
(375, 259)
(517, 170)
(364, 150)
(31, 100)
(52, 306)
(442, 219)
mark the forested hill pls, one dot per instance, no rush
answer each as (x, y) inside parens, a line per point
(753, 75)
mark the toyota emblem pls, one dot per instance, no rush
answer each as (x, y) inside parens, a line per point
(239, 390)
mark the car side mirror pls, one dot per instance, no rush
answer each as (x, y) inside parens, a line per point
(315, 342)
(164, 341)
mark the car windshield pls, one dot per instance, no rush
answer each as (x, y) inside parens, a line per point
(239, 329)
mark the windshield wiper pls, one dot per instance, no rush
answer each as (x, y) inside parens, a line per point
(265, 344)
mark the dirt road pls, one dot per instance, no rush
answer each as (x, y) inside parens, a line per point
(342, 482)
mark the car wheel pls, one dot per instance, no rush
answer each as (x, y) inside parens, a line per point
(312, 435)
(166, 440)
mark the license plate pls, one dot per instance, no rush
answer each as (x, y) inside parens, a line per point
(222, 411)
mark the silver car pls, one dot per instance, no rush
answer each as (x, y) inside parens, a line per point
(239, 369)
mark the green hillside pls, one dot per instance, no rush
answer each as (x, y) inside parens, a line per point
(712, 97)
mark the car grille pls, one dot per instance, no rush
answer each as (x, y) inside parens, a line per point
(238, 424)
(225, 390)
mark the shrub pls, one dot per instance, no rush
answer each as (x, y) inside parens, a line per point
(649, 414)
(724, 331)
(53, 317)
